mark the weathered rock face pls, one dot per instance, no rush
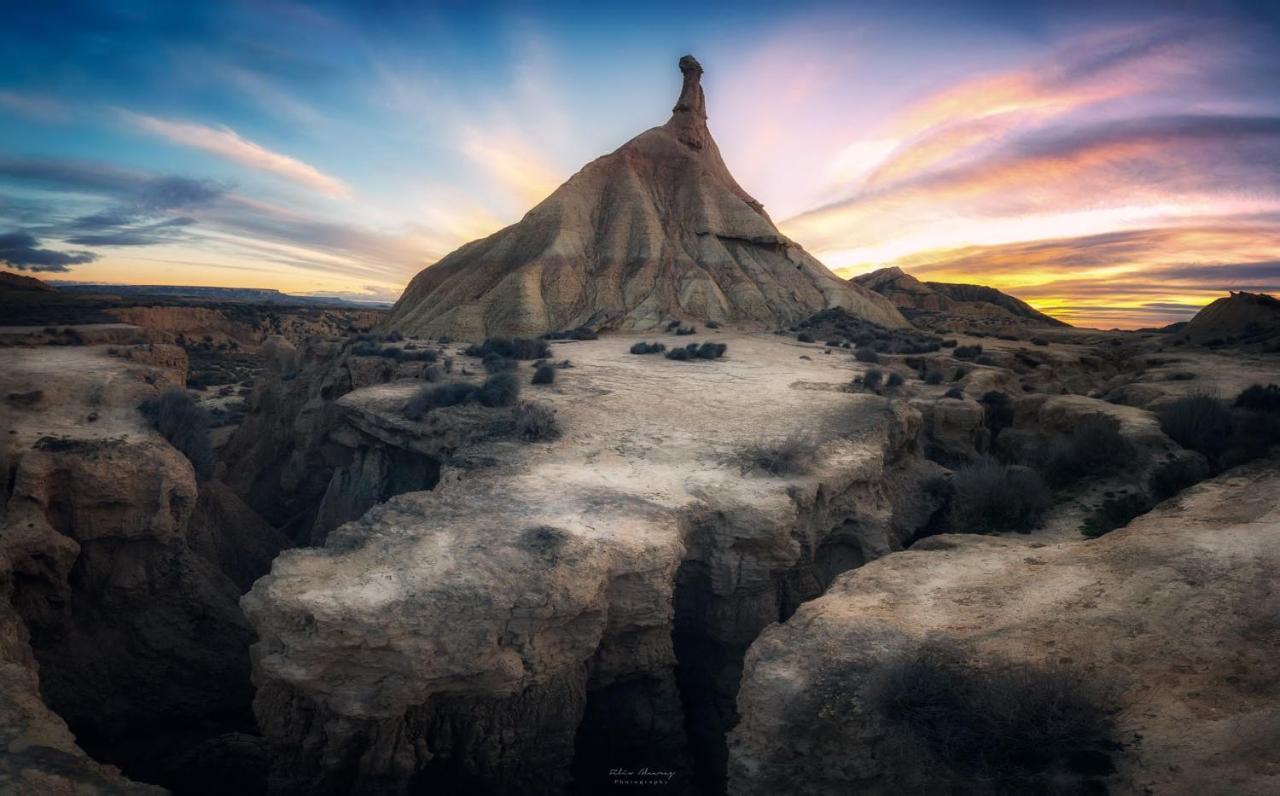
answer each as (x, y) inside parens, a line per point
(657, 230)
(939, 305)
(1177, 611)
(112, 559)
(551, 611)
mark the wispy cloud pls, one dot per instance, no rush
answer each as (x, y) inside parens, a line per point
(228, 144)
(33, 106)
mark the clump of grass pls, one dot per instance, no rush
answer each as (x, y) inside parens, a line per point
(1257, 398)
(955, 393)
(872, 379)
(933, 376)
(685, 331)
(988, 496)
(967, 352)
(790, 455)
(545, 374)
(1016, 727)
(500, 389)
(185, 424)
(648, 348)
(804, 337)
(535, 421)
(895, 379)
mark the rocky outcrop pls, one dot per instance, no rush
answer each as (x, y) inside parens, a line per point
(552, 611)
(1239, 318)
(1174, 615)
(941, 305)
(655, 231)
(114, 562)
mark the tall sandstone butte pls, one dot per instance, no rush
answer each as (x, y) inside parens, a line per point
(656, 231)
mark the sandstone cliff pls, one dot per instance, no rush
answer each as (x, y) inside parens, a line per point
(655, 231)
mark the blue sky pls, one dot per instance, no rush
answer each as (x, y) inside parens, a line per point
(1071, 153)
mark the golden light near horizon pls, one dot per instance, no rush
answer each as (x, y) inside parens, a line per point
(986, 153)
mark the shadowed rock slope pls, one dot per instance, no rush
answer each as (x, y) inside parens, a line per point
(928, 303)
(1237, 318)
(657, 230)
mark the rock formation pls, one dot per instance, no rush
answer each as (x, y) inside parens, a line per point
(1239, 318)
(1174, 617)
(121, 575)
(944, 305)
(553, 610)
(655, 231)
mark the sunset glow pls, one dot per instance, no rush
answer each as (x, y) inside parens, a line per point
(1112, 166)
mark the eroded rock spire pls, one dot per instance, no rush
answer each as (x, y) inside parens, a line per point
(689, 116)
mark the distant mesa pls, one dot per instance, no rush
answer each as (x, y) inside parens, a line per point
(658, 230)
(944, 304)
(1236, 318)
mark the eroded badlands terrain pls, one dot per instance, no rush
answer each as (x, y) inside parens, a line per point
(351, 599)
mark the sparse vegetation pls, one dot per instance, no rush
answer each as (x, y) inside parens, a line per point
(684, 331)
(895, 379)
(1174, 475)
(872, 379)
(648, 348)
(967, 352)
(866, 355)
(954, 393)
(1201, 423)
(185, 424)
(1094, 448)
(581, 333)
(545, 374)
(497, 364)
(436, 397)
(707, 350)
(997, 412)
(1116, 511)
(791, 455)
(500, 389)
(1017, 727)
(805, 337)
(511, 348)
(535, 421)
(1039, 341)
(933, 376)
(988, 496)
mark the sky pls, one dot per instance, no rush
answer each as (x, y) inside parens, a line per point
(1114, 164)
